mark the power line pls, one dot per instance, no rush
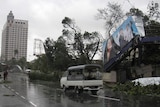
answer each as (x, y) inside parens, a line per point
(132, 6)
(130, 3)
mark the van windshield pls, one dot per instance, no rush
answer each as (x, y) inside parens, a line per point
(87, 73)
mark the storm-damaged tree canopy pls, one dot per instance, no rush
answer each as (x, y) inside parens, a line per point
(82, 46)
(112, 14)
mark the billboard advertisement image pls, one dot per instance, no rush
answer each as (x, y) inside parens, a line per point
(126, 31)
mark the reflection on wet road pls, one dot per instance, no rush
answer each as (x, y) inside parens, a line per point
(37, 94)
(50, 95)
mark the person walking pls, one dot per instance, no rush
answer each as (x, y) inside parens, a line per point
(5, 74)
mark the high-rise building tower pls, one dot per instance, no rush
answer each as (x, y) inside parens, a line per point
(14, 38)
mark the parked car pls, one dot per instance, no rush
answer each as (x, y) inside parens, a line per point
(82, 77)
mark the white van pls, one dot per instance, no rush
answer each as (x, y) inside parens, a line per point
(82, 77)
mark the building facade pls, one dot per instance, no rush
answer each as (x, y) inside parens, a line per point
(14, 39)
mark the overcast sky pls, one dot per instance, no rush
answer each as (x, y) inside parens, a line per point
(45, 16)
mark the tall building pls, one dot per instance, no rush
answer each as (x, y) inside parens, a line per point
(14, 38)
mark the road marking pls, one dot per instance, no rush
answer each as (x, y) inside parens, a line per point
(23, 97)
(12, 89)
(17, 93)
(20, 96)
(32, 104)
(108, 98)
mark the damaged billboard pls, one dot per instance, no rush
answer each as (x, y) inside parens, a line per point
(131, 27)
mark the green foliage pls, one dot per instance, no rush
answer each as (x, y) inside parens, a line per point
(153, 52)
(135, 12)
(132, 88)
(62, 58)
(57, 54)
(45, 77)
(49, 46)
(41, 64)
(21, 62)
(152, 28)
(82, 46)
(75, 47)
(153, 9)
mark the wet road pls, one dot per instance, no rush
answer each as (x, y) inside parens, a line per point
(49, 95)
(44, 94)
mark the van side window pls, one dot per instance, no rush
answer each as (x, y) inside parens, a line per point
(92, 73)
(71, 75)
(79, 75)
(75, 74)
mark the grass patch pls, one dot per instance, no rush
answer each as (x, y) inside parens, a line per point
(132, 88)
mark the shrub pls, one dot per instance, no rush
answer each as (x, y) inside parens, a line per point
(132, 88)
(43, 76)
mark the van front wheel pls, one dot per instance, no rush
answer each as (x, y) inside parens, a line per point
(78, 90)
(64, 88)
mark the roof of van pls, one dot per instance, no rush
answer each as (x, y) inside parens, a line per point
(83, 66)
